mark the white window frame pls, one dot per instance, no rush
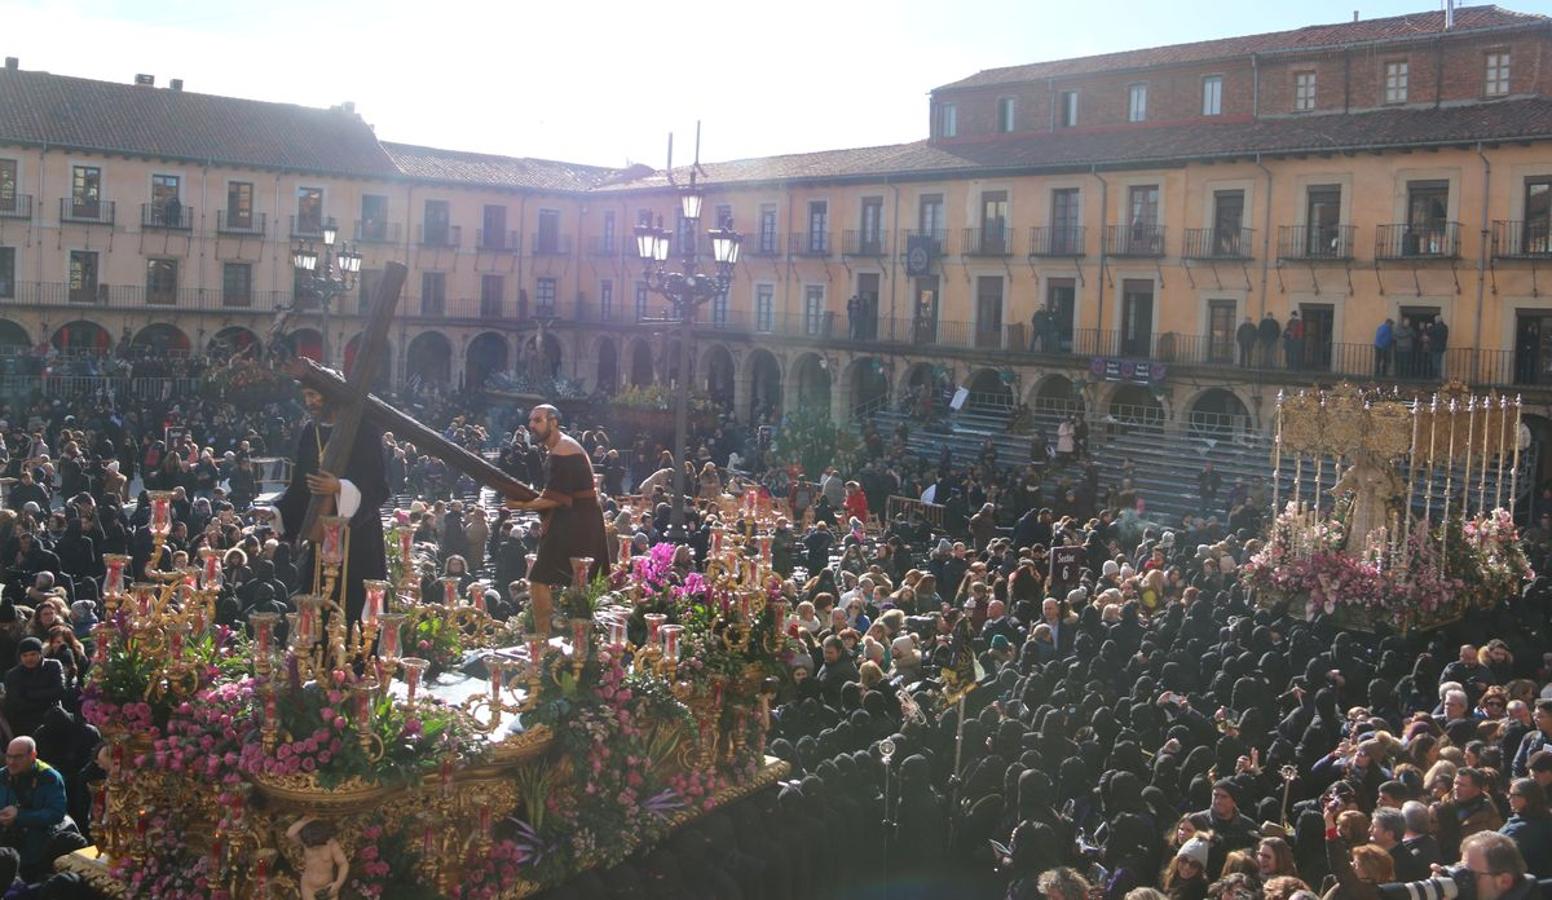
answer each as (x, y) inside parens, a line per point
(1305, 85)
(813, 313)
(606, 299)
(1398, 73)
(1067, 109)
(1495, 81)
(948, 120)
(1137, 102)
(764, 307)
(1212, 95)
(1007, 114)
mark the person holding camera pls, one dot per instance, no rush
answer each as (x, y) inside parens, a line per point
(1490, 868)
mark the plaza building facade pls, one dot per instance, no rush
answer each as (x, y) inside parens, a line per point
(1089, 232)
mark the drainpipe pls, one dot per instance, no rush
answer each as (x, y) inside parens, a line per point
(1266, 235)
(1487, 184)
(204, 209)
(1255, 86)
(1104, 214)
(42, 192)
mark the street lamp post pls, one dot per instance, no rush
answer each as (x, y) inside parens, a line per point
(325, 274)
(686, 290)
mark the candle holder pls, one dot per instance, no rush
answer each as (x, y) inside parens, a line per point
(450, 588)
(580, 567)
(477, 595)
(161, 513)
(361, 696)
(211, 576)
(115, 565)
(414, 669)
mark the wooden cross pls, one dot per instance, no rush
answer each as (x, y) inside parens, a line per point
(354, 403)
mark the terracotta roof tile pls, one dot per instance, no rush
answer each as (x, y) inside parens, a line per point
(37, 107)
(1313, 37)
(1525, 119)
(495, 171)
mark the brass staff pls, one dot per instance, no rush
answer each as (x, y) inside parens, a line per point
(1514, 471)
(1449, 487)
(1503, 448)
(1277, 462)
(1406, 512)
(1433, 430)
(1487, 421)
(1471, 433)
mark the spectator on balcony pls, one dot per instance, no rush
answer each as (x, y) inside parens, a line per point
(1406, 346)
(1384, 345)
(1268, 331)
(1293, 341)
(1246, 338)
(1438, 340)
(853, 316)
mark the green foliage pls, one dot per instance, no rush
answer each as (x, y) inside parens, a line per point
(810, 438)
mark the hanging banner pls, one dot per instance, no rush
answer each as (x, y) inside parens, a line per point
(1128, 370)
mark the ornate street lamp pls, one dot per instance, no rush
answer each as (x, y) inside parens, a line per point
(324, 274)
(686, 290)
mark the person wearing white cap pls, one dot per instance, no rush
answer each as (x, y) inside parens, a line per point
(1186, 876)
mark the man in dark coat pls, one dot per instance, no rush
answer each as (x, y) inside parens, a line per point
(357, 493)
(32, 687)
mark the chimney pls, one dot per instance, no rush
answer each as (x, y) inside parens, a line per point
(349, 106)
(175, 84)
(1449, 14)
(12, 64)
(145, 80)
(1355, 15)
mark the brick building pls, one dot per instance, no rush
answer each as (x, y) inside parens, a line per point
(1151, 200)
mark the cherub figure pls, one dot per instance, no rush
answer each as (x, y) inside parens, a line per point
(324, 867)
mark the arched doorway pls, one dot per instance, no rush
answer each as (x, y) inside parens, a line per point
(1057, 395)
(719, 376)
(14, 340)
(764, 386)
(1219, 413)
(608, 365)
(541, 366)
(429, 359)
(672, 359)
(486, 356)
(641, 371)
(232, 341)
(989, 393)
(869, 384)
(811, 375)
(383, 380)
(1135, 405)
(81, 338)
(307, 342)
(160, 340)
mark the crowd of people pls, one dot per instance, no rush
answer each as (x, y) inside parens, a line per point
(1140, 726)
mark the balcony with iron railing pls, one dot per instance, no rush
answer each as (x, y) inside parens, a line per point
(307, 226)
(607, 247)
(551, 244)
(86, 212)
(377, 231)
(1065, 240)
(864, 243)
(1219, 244)
(1522, 240)
(1432, 240)
(15, 206)
(494, 241)
(1134, 240)
(215, 299)
(166, 216)
(1315, 243)
(991, 240)
(763, 243)
(246, 223)
(810, 243)
(936, 241)
(439, 236)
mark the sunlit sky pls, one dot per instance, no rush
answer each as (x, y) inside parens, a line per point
(604, 82)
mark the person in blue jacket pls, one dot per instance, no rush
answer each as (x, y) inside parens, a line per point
(32, 804)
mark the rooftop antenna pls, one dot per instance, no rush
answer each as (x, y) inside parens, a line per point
(698, 166)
